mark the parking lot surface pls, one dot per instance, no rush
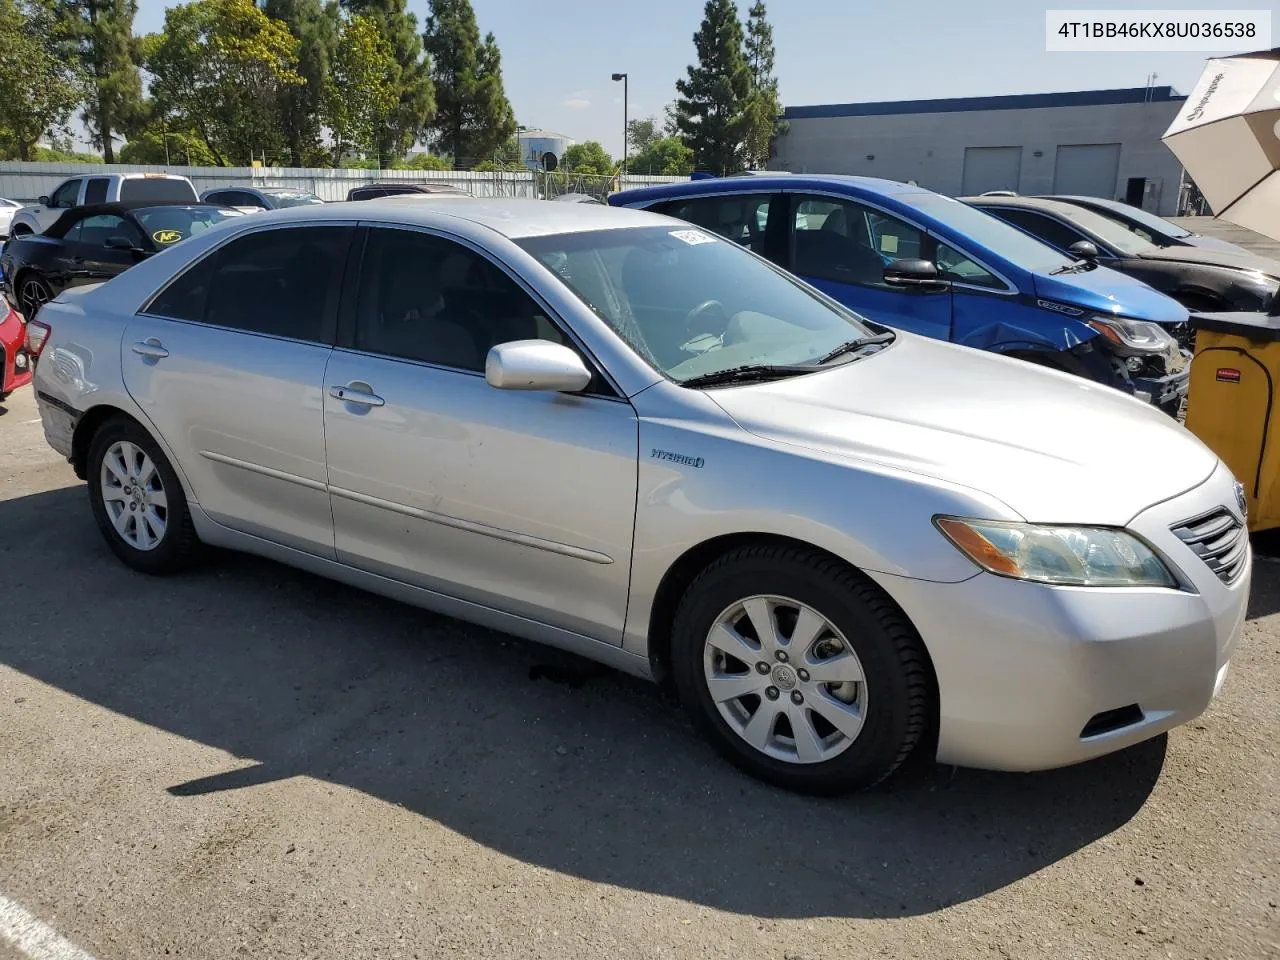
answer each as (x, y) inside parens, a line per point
(251, 761)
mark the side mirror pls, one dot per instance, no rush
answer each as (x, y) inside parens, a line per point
(118, 243)
(43, 201)
(921, 275)
(535, 365)
(1084, 250)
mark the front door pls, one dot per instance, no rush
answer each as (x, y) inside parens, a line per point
(842, 248)
(520, 501)
(228, 362)
(90, 259)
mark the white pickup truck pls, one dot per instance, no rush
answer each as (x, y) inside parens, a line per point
(111, 188)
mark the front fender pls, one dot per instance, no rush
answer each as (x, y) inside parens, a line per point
(1055, 334)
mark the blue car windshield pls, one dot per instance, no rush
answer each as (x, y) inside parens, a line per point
(693, 304)
(1002, 239)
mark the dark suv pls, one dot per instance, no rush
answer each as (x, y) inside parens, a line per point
(375, 191)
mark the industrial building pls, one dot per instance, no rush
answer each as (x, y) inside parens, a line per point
(1103, 143)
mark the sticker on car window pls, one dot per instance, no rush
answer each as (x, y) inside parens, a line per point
(166, 236)
(693, 237)
(888, 243)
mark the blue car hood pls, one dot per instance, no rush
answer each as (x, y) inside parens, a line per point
(1108, 291)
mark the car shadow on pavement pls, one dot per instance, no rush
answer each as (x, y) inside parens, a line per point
(600, 779)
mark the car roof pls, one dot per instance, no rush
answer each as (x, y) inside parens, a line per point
(512, 218)
(1031, 203)
(854, 186)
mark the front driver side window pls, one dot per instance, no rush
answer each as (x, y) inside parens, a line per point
(96, 230)
(848, 243)
(1043, 228)
(64, 198)
(429, 299)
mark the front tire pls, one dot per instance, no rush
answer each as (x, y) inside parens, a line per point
(137, 500)
(800, 671)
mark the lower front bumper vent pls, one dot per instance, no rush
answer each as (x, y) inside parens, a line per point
(1109, 721)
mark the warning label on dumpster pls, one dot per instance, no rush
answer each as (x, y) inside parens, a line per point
(1228, 375)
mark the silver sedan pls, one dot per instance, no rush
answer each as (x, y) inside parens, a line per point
(617, 434)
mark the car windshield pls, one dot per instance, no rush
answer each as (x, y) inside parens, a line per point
(292, 198)
(693, 304)
(169, 225)
(1002, 239)
(1123, 212)
(1104, 228)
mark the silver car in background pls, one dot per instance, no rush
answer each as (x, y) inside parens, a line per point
(612, 432)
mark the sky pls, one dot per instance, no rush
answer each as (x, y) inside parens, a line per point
(558, 58)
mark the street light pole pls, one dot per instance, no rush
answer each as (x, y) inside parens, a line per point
(623, 78)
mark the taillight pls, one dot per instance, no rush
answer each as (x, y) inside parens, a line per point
(37, 337)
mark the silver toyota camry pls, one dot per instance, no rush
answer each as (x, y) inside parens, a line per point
(617, 434)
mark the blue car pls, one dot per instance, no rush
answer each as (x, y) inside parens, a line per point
(918, 261)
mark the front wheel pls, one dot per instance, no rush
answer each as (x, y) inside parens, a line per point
(137, 500)
(800, 671)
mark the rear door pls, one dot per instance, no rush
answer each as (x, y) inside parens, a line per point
(228, 362)
(842, 247)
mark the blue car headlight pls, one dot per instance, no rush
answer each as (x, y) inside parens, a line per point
(1129, 338)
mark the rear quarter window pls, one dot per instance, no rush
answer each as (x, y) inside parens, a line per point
(156, 188)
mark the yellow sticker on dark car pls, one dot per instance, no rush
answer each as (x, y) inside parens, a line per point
(166, 236)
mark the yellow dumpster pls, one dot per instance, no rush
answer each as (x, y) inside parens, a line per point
(1232, 404)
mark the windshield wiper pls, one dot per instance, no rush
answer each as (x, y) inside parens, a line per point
(753, 371)
(1076, 266)
(852, 345)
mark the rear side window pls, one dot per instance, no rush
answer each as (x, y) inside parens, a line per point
(158, 188)
(95, 190)
(281, 283)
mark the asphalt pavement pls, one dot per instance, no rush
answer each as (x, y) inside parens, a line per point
(251, 761)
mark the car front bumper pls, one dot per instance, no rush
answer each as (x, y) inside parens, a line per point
(1029, 674)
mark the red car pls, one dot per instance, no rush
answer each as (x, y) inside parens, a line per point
(15, 366)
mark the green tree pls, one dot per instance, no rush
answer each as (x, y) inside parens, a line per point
(426, 161)
(97, 36)
(764, 109)
(710, 111)
(315, 25)
(473, 116)
(589, 158)
(360, 92)
(39, 87)
(221, 67)
(641, 132)
(415, 93)
(664, 157)
(185, 148)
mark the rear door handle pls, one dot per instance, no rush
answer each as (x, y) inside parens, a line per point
(151, 347)
(358, 395)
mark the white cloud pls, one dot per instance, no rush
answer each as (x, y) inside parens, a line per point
(576, 103)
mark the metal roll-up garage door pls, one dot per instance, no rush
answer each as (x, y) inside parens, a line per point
(1087, 169)
(991, 168)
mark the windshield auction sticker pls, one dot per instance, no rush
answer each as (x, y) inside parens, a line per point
(692, 237)
(166, 236)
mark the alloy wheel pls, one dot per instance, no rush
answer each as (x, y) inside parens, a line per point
(785, 679)
(34, 295)
(134, 495)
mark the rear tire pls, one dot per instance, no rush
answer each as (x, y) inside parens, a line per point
(138, 501)
(830, 694)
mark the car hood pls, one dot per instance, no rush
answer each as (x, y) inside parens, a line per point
(1212, 243)
(1222, 258)
(1053, 447)
(1109, 291)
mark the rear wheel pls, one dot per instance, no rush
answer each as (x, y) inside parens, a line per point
(137, 500)
(800, 671)
(33, 293)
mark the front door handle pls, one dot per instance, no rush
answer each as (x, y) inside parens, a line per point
(358, 394)
(150, 347)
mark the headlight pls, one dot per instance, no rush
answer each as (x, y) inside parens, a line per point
(1128, 337)
(1071, 556)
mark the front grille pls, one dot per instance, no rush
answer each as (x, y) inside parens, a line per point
(1219, 539)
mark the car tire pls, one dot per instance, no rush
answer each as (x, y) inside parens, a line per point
(137, 500)
(884, 698)
(33, 293)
